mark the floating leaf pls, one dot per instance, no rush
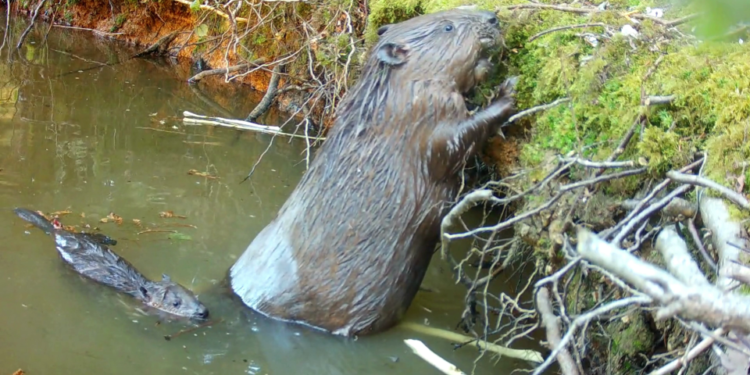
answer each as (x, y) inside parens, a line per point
(180, 236)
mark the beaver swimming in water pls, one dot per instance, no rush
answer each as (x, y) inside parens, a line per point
(88, 255)
(348, 250)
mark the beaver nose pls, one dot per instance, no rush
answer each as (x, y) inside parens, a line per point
(491, 18)
(203, 314)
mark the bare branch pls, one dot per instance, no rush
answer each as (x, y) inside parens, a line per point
(549, 320)
(702, 181)
(568, 27)
(706, 304)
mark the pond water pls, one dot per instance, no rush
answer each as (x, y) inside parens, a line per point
(111, 140)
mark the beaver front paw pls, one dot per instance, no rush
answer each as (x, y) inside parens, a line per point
(507, 88)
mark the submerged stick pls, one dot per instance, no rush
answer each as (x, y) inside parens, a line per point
(420, 349)
(33, 19)
(526, 355)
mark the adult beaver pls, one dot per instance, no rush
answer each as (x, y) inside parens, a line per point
(348, 250)
(88, 255)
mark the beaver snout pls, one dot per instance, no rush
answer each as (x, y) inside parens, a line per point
(202, 314)
(489, 31)
(491, 18)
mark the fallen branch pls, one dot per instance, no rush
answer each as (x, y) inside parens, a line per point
(563, 8)
(584, 319)
(568, 27)
(549, 320)
(526, 355)
(214, 10)
(592, 164)
(159, 45)
(95, 31)
(707, 304)
(268, 98)
(689, 356)
(647, 212)
(733, 196)
(725, 232)
(677, 258)
(535, 109)
(657, 100)
(231, 69)
(420, 349)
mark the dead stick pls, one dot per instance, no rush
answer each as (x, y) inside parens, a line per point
(33, 19)
(157, 231)
(552, 30)
(701, 181)
(230, 69)
(265, 103)
(549, 320)
(191, 329)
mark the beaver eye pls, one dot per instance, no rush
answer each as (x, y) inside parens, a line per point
(176, 303)
(448, 27)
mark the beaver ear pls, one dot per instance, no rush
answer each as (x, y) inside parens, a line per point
(383, 29)
(392, 53)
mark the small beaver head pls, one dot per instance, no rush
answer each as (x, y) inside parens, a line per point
(445, 45)
(173, 298)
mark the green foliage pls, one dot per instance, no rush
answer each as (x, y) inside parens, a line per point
(120, 20)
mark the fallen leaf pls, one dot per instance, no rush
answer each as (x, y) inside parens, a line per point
(194, 172)
(19, 372)
(170, 214)
(112, 217)
(137, 222)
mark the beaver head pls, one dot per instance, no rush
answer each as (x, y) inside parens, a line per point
(445, 45)
(173, 298)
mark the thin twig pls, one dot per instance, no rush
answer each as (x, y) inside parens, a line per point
(702, 181)
(568, 27)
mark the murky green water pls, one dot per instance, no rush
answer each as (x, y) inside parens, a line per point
(104, 140)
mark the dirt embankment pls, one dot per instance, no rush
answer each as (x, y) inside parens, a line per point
(197, 38)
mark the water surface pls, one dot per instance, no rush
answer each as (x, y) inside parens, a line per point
(110, 140)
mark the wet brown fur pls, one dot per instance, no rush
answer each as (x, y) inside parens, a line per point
(350, 247)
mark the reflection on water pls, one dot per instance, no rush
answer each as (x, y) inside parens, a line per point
(110, 139)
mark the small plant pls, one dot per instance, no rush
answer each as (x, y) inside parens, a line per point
(119, 21)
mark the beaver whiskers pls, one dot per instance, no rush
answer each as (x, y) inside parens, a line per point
(88, 255)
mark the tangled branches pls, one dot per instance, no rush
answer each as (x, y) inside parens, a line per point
(713, 313)
(305, 46)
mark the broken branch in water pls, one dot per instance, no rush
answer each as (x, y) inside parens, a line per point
(231, 69)
(526, 355)
(420, 349)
